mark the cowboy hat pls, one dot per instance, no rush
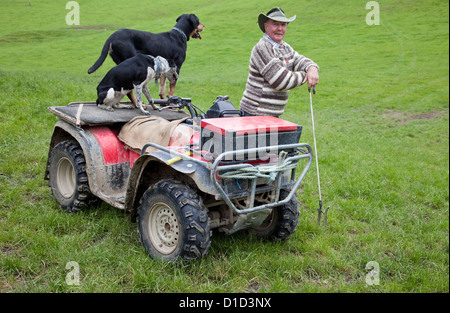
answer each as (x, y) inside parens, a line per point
(276, 14)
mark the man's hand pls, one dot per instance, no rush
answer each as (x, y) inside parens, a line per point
(312, 76)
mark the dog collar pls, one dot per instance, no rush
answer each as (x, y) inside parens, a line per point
(181, 32)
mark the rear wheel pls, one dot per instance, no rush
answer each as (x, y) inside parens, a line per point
(282, 222)
(173, 222)
(68, 178)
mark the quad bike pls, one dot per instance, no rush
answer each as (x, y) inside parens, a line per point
(227, 172)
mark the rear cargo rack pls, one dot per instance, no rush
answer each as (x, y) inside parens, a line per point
(87, 113)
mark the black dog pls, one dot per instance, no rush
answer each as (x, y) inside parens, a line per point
(133, 73)
(171, 45)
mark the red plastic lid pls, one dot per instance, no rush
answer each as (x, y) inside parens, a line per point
(247, 125)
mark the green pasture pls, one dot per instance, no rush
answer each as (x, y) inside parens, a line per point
(382, 125)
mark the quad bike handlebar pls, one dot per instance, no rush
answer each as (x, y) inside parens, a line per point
(175, 102)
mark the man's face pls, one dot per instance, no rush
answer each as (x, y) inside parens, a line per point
(275, 30)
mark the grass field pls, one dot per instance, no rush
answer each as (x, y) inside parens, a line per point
(382, 124)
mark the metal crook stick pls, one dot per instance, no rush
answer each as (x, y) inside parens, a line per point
(320, 211)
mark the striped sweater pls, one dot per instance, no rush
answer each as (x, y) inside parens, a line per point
(274, 70)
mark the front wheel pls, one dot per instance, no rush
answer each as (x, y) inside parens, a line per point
(282, 222)
(173, 222)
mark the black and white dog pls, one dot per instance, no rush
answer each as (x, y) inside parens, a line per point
(171, 45)
(133, 73)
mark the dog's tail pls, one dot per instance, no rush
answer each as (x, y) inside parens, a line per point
(106, 49)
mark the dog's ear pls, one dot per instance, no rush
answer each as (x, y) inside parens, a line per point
(194, 20)
(179, 17)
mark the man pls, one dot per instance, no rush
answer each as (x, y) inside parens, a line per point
(275, 68)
